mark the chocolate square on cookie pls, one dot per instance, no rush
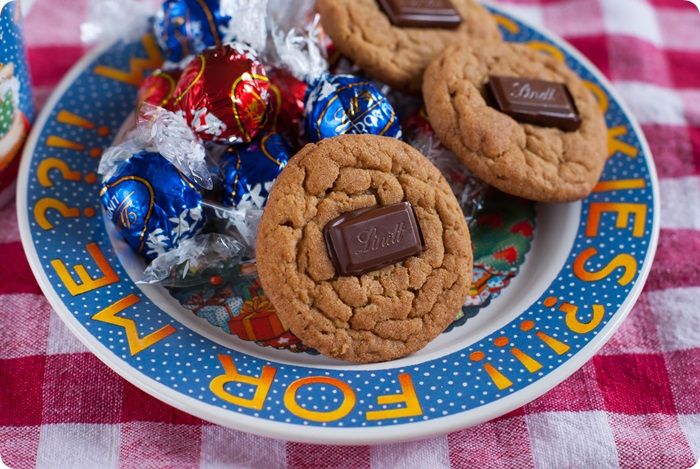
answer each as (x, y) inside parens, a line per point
(370, 238)
(421, 13)
(539, 102)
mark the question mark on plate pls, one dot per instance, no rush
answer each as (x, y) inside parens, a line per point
(48, 203)
(45, 167)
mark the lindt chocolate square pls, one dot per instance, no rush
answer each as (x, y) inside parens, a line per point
(374, 237)
(539, 102)
(421, 13)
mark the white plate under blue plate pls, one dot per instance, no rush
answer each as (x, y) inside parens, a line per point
(585, 269)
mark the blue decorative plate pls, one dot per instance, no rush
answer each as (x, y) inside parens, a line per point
(585, 268)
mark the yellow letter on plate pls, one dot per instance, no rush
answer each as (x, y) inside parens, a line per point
(136, 344)
(625, 261)
(616, 145)
(262, 384)
(406, 396)
(290, 399)
(87, 283)
(623, 211)
(137, 65)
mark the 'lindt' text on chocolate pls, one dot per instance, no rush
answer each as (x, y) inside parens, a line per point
(374, 237)
(525, 91)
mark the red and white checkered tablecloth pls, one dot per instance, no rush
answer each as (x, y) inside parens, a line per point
(636, 404)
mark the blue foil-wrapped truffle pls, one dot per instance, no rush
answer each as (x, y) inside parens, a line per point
(249, 171)
(152, 204)
(188, 27)
(346, 104)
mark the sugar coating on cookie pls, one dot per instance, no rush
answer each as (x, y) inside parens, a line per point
(397, 55)
(535, 162)
(383, 314)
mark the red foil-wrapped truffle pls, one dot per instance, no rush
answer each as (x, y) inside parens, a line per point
(223, 94)
(158, 89)
(286, 108)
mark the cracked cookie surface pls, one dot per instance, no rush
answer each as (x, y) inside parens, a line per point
(383, 314)
(396, 55)
(537, 163)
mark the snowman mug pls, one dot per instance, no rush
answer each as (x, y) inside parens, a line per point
(16, 109)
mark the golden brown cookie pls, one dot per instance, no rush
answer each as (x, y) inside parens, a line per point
(382, 314)
(397, 55)
(531, 161)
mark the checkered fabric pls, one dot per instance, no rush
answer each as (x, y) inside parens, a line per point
(636, 404)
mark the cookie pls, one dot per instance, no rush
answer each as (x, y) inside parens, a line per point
(376, 313)
(537, 162)
(397, 55)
